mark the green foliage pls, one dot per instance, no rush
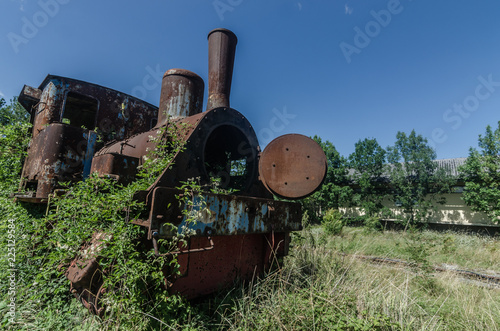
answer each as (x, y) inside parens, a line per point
(416, 182)
(332, 222)
(372, 223)
(335, 191)
(50, 237)
(13, 113)
(367, 163)
(132, 273)
(304, 311)
(13, 145)
(168, 143)
(306, 221)
(481, 173)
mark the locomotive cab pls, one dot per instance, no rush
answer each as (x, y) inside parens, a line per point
(68, 116)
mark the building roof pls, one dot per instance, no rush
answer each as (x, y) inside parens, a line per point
(451, 164)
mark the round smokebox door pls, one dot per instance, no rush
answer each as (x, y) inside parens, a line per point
(292, 166)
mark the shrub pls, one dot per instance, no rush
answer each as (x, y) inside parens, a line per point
(332, 222)
(306, 221)
(372, 224)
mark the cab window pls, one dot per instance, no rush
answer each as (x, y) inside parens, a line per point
(80, 111)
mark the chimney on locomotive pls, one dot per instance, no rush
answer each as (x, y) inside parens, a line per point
(221, 52)
(181, 95)
(182, 90)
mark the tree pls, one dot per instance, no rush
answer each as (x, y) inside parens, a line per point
(416, 182)
(13, 144)
(13, 113)
(481, 175)
(335, 191)
(367, 163)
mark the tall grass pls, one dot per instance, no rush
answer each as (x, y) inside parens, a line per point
(468, 251)
(318, 289)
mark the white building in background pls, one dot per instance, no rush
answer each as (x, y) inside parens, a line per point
(453, 212)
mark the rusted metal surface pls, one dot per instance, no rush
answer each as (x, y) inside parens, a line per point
(236, 236)
(86, 276)
(208, 152)
(29, 97)
(61, 150)
(222, 215)
(292, 166)
(48, 110)
(118, 116)
(86, 283)
(192, 250)
(181, 95)
(119, 166)
(216, 139)
(49, 162)
(241, 257)
(221, 52)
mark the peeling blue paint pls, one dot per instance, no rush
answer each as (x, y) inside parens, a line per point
(89, 154)
(227, 215)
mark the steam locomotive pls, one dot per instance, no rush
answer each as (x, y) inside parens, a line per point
(240, 235)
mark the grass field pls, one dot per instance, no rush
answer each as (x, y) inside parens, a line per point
(322, 285)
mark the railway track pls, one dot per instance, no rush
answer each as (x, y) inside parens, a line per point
(493, 280)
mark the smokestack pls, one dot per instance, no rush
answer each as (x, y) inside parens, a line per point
(181, 95)
(221, 49)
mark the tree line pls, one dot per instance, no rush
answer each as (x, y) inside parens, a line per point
(407, 175)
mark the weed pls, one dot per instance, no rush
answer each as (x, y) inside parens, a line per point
(372, 224)
(332, 222)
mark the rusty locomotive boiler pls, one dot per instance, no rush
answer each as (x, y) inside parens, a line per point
(242, 232)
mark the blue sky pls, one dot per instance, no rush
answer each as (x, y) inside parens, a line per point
(343, 70)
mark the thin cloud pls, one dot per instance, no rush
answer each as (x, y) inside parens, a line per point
(348, 10)
(1, 94)
(299, 5)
